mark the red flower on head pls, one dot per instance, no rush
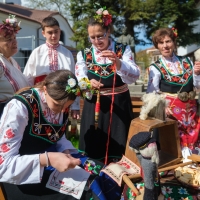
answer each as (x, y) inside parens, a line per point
(107, 19)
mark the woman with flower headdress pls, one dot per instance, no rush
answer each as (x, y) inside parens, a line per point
(176, 77)
(108, 67)
(32, 121)
(11, 77)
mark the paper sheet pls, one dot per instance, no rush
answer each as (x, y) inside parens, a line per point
(71, 182)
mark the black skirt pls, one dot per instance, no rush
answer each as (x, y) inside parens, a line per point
(93, 141)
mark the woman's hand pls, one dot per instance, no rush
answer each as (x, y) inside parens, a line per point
(112, 57)
(197, 68)
(60, 161)
(95, 84)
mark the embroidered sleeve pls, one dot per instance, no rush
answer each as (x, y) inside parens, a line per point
(154, 79)
(80, 67)
(30, 68)
(129, 71)
(14, 168)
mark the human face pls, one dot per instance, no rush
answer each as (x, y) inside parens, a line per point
(8, 45)
(52, 34)
(166, 47)
(99, 37)
(56, 106)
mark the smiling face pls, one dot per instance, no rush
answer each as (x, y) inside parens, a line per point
(166, 46)
(52, 34)
(8, 45)
(56, 106)
(99, 37)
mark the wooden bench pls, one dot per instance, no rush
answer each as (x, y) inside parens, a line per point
(136, 105)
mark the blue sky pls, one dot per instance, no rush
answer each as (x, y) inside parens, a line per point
(142, 30)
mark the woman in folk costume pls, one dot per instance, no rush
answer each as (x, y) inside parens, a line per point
(11, 77)
(176, 77)
(33, 121)
(109, 67)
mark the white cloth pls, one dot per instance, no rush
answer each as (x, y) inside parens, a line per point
(129, 71)
(174, 68)
(38, 65)
(11, 78)
(24, 169)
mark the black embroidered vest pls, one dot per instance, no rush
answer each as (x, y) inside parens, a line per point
(172, 83)
(39, 134)
(105, 72)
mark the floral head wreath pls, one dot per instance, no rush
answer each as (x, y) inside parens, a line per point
(175, 31)
(10, 25)
(102, 16)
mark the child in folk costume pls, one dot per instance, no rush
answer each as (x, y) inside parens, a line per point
(33, 121)
(50, 57)
(109, 67)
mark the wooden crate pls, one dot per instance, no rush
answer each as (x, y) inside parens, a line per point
(170, 152)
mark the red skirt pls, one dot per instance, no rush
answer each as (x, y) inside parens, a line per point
(188, 121)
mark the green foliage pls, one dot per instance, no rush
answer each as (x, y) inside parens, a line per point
(152, 14)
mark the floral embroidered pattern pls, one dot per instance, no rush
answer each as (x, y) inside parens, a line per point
(103, 70)
(178, 79)
(5, 147)
(9, 134)
(39, 126)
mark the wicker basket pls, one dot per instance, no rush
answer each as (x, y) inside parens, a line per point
(196, 187)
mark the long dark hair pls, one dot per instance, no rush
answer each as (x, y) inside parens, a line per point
(56, 83)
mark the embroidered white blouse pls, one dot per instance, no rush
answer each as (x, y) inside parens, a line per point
(38, 65)
(24, 169)
(11, 78)
(129, 71)
(174, 66)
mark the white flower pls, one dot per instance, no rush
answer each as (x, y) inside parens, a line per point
(71, 82)
(82, 85)
(88, 95)
(105, 12)
(99, 11)
(13, 20)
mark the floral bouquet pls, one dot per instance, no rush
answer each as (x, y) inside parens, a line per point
(86, 88)
(103, 16)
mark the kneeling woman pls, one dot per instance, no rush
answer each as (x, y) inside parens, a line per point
(33, 121)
